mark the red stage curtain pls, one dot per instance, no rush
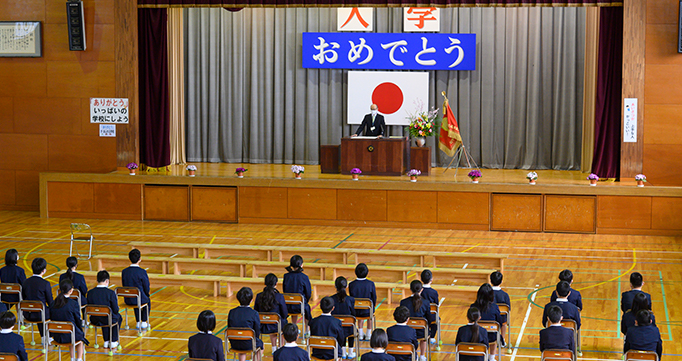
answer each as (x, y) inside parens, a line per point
(154, 106)
(607, 132)
(373, 3)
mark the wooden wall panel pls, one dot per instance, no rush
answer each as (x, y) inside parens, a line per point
(8, 189)
(516, 212)
(214, 204)
(118, 198)
(166, 203)
(23, 152)
(56, 35)
(81, 79)
(663, 125)
(361, 205)
(570, 213)
(75, 153)
(666, 213)
(70, 197)
(25, 78)
(660, 44)
(24, 10)
(309, 203)
(47, 115)
(412, 206)
(7, 115)
(662, 84)
(27, 188)
(462, 207)
(624, 212)
(262, 202)
(663, 164)
(661, 11)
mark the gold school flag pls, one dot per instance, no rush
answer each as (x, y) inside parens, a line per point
(450, 139)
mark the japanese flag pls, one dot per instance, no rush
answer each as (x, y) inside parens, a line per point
(395, 93)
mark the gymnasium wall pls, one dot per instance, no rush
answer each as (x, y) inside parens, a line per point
(44, 102)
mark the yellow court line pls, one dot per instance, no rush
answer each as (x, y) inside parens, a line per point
(634, 263)
(19, 231)
(38, 246)
(213, 239)
(470, 248)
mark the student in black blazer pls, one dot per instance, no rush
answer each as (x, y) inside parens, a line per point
(344, 305)
(3, 308)
(290, 351)
(326, 325)
(363, 288)
(65, 309)
(103, 296)
(204, 344)
(373, 124)
(636, 283)
(472, 333)
(135, 276)
(270, 300)
(640, 303)
(644, 336)
(11, 342)
(418, 307)
(247, 317)
(295, 281)
(401, 332)
(77, 278)
(35, 288)
(556, 337)
(11, 273)
(485, 303)
(431, 296)
(379, 343)
(570, 311)
(574, 297)
(500, 297)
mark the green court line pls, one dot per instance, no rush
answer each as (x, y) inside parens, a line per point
(665, 305)
(344, 240)
(618, 315)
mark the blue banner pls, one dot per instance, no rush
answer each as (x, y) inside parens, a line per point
(394, 51)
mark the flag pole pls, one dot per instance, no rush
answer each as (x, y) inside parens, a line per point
(460, 150)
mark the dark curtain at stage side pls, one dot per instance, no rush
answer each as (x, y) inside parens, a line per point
(607, 129)
(154, 107)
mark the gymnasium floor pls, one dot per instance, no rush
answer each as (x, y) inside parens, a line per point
(601, 265)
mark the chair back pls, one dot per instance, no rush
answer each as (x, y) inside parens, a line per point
(8, 357)
(641, 355)
(32, 306)
(435, 309)
(10, 289)
(471, 349)
(364, 304)
(239, 333)
(504, 308)
(557, 355)
(568, 323)
(323, 343)
(81, 229)
(419, 323)
(293, 298)
(60, 327)
(98, 310)
(346, 320)
(271, 318)
(127, 292)
(401, 348)
(490, 326)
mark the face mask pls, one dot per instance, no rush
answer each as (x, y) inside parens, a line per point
(374, 112)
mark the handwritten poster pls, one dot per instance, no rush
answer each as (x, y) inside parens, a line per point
(20, 39)
(109, 110)
(630, 121)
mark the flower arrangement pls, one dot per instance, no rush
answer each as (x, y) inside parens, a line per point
(414, 173)
(132, 165)
(355, 171)
(475, 174)
(532, 176)
(640, 178)
(297, 169)
(192, 167)
(422, 124)
(592, 177)
(240, 170)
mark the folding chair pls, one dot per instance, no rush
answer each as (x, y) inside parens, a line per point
(35, 307)
(401, 348)
(420, 323)
(12, 289)
(133, 292)
(103, 311)
(557, 355)
(493, 327)
(641, 355)
(568, 323)
(325, 343)
(297, 299)
(240, 334)
(8, 357)
(435, 310)
(506, 310)
(76, 295)
(471, 349)
(351, 321)
(81, 232)
(63, 327)
(365, 304)
(272, 318)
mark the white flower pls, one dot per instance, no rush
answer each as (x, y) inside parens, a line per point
(191, 167)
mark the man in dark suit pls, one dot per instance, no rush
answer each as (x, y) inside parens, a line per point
(556, 337)
(570, 311)
(644, 336)
(373, 124)
(636, 283)
(35, 288)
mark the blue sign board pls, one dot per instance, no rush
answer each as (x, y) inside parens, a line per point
(394, 51)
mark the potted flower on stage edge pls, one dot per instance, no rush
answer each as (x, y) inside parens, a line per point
(474, 175)
(240, 172)
(532, 177)
(191, 169)
(355, 172)
(132, 167)
(593, 178)
(298, 170)
(640, 178)
(414, 173)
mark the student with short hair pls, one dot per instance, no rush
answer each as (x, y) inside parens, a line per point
(35, 288)
(328, 326)
(295, 281)
(270, 300)
(418, 307)
(431, 296)
(65, 309)
(363, 288)
(639, 303)
(570, 311)
(500, 297)
(11, 273)
(574, 296)
(103, 296)
(401, 332)
(204, 344)
(247, 317)
(556, 337)
(136, 276)
(472, 333)
(11, 342)
(636, 283)
(344, 305)
(378, 343)
(77, 278)
(645, 336)
(485, 303)
(290, 351)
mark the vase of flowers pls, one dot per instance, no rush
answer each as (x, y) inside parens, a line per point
(191, 169)
(132, 167)
(240, 172)
(298, 170)
(532, 177)
(640, 178)
(593, 178)
(355, 172)
(414, 173)
(474, 175)
(422, 124)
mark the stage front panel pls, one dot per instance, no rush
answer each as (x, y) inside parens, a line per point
(166, 203)
(309, 203)
(517, 212)
(570, 213)
(217, 204)
(70, 197)
(624, 212)
(361, 205)
(463, 208)
(412, 206)
(262, 202)
(118, 199)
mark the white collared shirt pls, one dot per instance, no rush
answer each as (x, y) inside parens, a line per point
(378, 350)
(326, 314)
(37, 276)
(134, 265)
(102, 286)
(556, 324)
(426, 286)
(291, 344)
(497, 288)
(360, 279)
(565, 299)
(402, 324)
(6, 330)
(209, 332)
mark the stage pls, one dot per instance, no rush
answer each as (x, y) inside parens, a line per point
(561, 201)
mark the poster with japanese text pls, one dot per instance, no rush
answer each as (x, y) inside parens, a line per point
(421, 19)
(109, 110)
(630, 121)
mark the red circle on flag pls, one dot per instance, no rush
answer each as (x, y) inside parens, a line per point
(388, 97)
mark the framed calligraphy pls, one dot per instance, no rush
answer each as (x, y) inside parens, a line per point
(21, 39)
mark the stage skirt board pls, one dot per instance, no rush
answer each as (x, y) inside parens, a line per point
(562, 201)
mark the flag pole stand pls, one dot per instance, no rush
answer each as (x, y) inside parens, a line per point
(461, 150)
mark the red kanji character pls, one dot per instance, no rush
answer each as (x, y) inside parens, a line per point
(356, 12)
(422, 13)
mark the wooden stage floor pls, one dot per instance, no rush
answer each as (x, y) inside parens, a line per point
(601, 264)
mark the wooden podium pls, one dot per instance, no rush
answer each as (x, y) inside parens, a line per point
(385, 156)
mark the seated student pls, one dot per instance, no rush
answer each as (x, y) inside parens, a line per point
(485, 303)
(570, 311)
(363, 288)
(270, 300)
(135, 276)
(65, 309)
(290, 351)
(328, 326)
(77, 278)
(644, 336)
(295, 281)
(247, 317)
(103, 296)
(556, 337)
(11, 342)
(3, 308)
(401, 332)
(472, 333)
(418, 307)
(640, 303)
(500, 297)
(204, 344)
(11, 273)
(378, 343)
(431, 296)
(344, 305)
(575, 297)
(35, 288)
(636, 283)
